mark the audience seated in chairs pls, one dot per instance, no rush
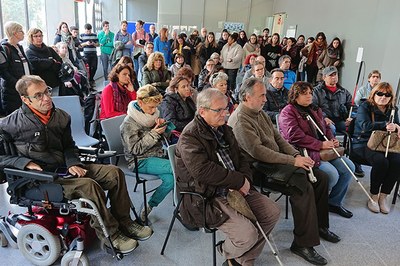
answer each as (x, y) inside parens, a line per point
(156, 73)
(302, 134)
(178, 107)
(118, 93)
(179, 63)
(42, 136)
(374, 114)
(198, 169)
(277, 95)
(263, 144)
(142, 134)
(205, 73)
(219, 80)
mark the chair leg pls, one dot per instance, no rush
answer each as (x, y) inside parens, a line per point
(146, 220)
(134, 190)
(134, 210)
(175, 214)
(287, 207)
(396, 190)
(214, 240)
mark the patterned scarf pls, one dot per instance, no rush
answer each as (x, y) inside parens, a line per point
(140, 116)
(121, 98)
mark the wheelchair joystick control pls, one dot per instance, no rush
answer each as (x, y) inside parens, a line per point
(64, 210)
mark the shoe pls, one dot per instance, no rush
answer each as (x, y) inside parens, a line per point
(341, 211)
(309, 254)
(123, 243)
(230, 262)
(373, 205)
(142, 212)
(136, 231)
(359, 172)
(328, 235)
(384, 207)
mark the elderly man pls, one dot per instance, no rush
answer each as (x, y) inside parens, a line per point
(277, 95)
(333, 99)
(290, 77)
(208, 161)
(363, 92)
(263, 144)
(42, 136)
(203, 35)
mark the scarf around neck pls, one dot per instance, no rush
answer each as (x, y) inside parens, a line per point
(120, 96)
(140, 116)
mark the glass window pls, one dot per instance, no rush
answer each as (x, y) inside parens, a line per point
(14, 10)
(37, 14)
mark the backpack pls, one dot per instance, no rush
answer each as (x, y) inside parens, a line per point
(4, 53)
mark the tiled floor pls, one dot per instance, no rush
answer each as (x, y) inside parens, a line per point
(367, 238)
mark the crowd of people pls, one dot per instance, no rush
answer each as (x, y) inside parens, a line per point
(221, 102)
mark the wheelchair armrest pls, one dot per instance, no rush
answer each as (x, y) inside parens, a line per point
(32, 174)
(87, 150)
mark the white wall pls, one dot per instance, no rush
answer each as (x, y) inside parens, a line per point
(57, 11)
(372, 24)
(145, 10)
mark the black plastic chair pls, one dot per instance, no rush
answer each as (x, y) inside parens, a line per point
(176, 215)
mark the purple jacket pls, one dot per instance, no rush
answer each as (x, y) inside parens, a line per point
(297, 130)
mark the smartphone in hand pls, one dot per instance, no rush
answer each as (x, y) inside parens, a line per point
(163, 124)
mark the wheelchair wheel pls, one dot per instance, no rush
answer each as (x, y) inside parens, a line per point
(38, 245)
(3, 240)
(69, 257)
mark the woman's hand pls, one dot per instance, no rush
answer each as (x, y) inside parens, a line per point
(157, 128)
(68, 84)
(391, 127)
(328, 144)
(328, 121)
(175, 51)
(129, 86)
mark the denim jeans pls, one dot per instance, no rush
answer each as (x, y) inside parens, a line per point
(105, 63)
(162, 168)
(339, 179)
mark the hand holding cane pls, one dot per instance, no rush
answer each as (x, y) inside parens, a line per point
(239, 203)
(391, 119)
(310, 174)
(341, 158)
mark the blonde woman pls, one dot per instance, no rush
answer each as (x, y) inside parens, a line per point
(155, 72)
(142, 132)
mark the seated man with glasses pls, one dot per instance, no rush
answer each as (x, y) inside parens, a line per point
(42, 136)
(209, 162)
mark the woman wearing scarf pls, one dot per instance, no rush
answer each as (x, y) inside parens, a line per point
(142, 132)
(301, 133)
(64, 35)
(118, 93)
(312, 51)
(333, 56)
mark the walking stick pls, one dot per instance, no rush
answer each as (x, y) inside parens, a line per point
(356, 88)
(390, 121)
(310, 174)
(239, 203)
(341, 158)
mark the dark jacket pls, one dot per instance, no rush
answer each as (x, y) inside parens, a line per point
(199, 170)
(152, 76)
(142, 62)
(276, 100)
(11, 69)
(178, 111)
(50, 146)
(46, 63)
(364, 125)
(206, 53)
(298, 131)
(335, 106)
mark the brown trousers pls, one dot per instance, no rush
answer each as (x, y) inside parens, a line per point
(243, 240)
(99, 178)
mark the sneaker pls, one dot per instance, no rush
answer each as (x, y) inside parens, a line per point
(136, 231)
(123, 243)
(142, 212)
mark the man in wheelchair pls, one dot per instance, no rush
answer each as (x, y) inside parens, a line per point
(42, 137)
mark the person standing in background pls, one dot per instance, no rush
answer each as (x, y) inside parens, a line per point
(139, 39)
(89, 43)
(163, 45)
(152, 34)
(125, 38)
(106, 40)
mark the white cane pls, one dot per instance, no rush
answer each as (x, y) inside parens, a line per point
(390, 121)
(249, 214)
(341, 158)
(310, 174)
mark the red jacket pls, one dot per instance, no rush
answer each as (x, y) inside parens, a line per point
(107, 102)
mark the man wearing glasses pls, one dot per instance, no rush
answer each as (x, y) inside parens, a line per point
(148, 50)
(208, 161)
(42, 136)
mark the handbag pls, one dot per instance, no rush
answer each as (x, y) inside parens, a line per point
(378, 141)
(329, 155)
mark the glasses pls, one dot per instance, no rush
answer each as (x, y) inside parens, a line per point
(218, 111)
(37, 36)
(380, 94)
(40, 95)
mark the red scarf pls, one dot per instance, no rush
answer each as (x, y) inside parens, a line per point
(331, 89)
(121, 98)
(44, 118)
